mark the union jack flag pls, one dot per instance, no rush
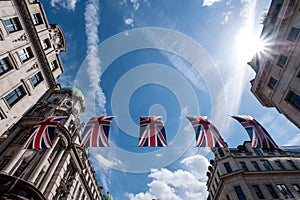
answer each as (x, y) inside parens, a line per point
(259, 136)
(152, 132)
(42, 133)
(207, 134)
(96, 132)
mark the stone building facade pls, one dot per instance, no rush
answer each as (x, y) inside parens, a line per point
(29, 68)
(277, 67)
(247, 173)
(29, 58)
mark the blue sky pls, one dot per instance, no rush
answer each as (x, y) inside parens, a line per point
(192, 61)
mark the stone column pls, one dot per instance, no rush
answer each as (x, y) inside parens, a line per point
(43, 161)
(51, 171)
(12, 163)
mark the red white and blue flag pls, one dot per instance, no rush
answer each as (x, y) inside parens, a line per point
(42, 133)
(96, 132)
(207, 134)
(152, 132)
(259, 136)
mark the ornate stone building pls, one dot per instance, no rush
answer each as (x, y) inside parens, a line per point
(247, 173)
(277, 80)
(29, 58)
(29, 68)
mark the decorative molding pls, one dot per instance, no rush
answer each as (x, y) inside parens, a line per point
(23, 37)
(34, 66)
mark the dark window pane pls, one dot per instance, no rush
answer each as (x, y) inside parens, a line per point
(244, 166)
(227, 167)
(256, 166)
(282, 60)
(258, 192)
(4, 66)
(293, 34)
(239, 192)
(272, 191)
(12, 25)
(221, 152)
(36, 19)
(53, 65)
(292, 165)
(14, 96)
(294, 99)
(36, 79)
(272, 83)
(267, 165)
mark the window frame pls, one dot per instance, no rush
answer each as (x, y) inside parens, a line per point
(279, 165)
(285, 191)
(272, 191)
(293, 34)
(5, 65)
(258, 192)
(25, 54)
(292, 165)
(36, 79)
(256, 166)
(36, 19)
(267, 165)
(19, 92)
(54, 65)
(272, 83)
(239, 192)
(46, 44)
(228, 167)
(282, 60)
(12, 24)
(293, 99)
(244, 166)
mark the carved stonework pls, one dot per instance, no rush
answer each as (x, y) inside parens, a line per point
(23, 37)
(34, 66)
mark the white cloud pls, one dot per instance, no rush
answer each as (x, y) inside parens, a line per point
(227, 16)
(67, 4)
(92, 19)
(129, 21)
(209, 2)
(177, 185)
(136, 4)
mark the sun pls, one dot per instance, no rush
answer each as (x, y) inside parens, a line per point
(248, 44)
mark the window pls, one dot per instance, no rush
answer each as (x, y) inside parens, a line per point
(227, 197)
(5, 66)
(12, 24)
(258, 192)
(244, 166)
(25, 54)
(239, 192)
(221, 153)
(296, 187)
(285, 191)
(267, 165)
(53, 65)
(14, 96)
(293, 34)
(36, 19)
(272, 191)
(21, 168)
(282, 60)
(294, 99)
(227, 167)
(78, 193)
(257, 152)
(46, 43)
(280, 166)
(272, 83)
(255, 165)
(292, 165)
(36, 79)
